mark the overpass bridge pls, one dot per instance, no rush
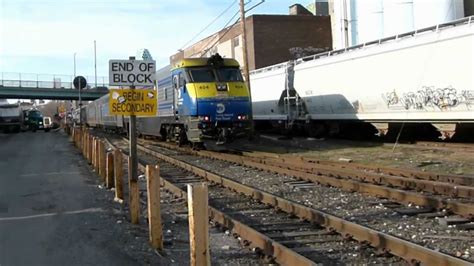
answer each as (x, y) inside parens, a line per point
(49, 87)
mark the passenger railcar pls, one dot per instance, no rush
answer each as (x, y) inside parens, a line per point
(423, 76)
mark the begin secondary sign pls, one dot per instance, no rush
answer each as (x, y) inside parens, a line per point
(139, 102)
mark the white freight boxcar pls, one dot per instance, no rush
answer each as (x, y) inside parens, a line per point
(421, 76)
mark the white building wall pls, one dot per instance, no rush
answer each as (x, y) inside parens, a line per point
(225, 49)
(398, 17)
(238, 53)
(430, 12)
(369, 20)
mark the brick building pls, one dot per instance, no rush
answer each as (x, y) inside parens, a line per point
(269, 38)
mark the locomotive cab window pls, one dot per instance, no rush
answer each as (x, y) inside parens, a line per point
(182, 81)
(175, 82)
(202, 75)
(229, 74)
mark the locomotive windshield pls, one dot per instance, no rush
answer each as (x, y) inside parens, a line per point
(229, 74)
(202, 75)
(226, 74)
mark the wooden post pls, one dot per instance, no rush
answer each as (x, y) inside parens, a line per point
(86, 136)
(83, 149)
(118, 174)
(133, 195)
(73, 137)
(99, 158)
(102, 161)
(96, 165)
(87, 146)
(90, 149)
(83, 142)
(154, 213)
(93, 152)
(78, 139)
(198, 224)
(109, 180)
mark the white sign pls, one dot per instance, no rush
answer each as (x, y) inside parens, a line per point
(132, 72)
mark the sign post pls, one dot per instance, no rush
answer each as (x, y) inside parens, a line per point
(80, 83)
(132, 102)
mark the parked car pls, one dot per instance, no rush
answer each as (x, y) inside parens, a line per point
(47, 123)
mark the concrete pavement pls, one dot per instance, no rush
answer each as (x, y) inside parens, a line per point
(50, 211)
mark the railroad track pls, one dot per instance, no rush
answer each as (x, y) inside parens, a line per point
(446, 192)
(300, 236)
(460, 186)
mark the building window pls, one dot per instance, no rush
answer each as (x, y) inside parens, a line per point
(236, 41)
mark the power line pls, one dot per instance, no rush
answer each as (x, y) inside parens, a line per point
(221, 37)
(208, 25)
(228, 29)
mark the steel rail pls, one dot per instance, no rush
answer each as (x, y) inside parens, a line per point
(435, 187)
(463, 180)
(402, 196)
(409, 251)
(268, 246)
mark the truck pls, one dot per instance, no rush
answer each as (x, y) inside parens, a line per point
(33, 119)
(10, 118)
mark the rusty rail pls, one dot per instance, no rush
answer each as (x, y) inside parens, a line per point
(268, 246)
(435, 187)
(402, 196)
(399, 247)
(463, 180)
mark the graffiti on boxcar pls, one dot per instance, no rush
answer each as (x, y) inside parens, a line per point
(429, 97)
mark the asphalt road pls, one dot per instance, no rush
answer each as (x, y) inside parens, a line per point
(50, 213)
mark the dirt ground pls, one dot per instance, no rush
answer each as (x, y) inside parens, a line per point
(430, 159)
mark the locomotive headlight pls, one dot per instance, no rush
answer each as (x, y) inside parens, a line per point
(222, 87)
(205, 118)
(241, 117)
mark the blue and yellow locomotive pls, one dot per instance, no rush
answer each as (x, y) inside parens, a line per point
(200, 99)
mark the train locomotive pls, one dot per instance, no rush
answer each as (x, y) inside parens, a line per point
(200, 100)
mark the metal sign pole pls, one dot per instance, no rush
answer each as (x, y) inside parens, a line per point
(80, 106)
(133, 142)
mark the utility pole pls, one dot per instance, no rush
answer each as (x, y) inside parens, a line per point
(74, 65)
(95, 64)
(246, 61)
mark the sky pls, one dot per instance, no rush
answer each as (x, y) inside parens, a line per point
(41, 36)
